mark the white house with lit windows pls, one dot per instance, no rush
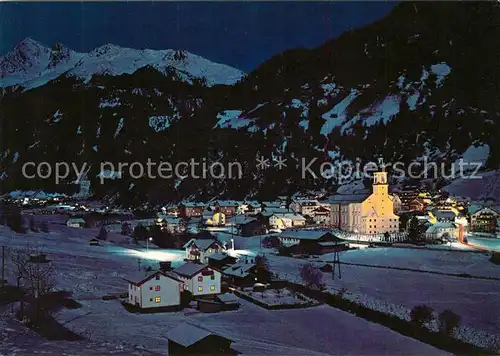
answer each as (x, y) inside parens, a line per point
(199, 279)
(157, 290)
(198, 249)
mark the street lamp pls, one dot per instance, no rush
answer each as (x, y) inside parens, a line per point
(232, 244)
(147, 242)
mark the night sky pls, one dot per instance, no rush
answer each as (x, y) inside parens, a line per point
(240, 34)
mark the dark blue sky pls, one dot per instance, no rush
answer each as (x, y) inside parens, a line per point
(240, 34)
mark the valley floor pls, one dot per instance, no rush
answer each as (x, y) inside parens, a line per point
(93, 271)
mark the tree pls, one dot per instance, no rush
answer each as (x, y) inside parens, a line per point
(413, 230)
(140, 232)
(311, 276)
(387, 236)
(448, 321)
(102, 234)
(32, 224)
(14, 220)
(126, 229)
(37, 280)
(421, 314)
(262, 268)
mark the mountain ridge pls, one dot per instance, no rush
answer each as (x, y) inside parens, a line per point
(395, 89)
(31, 64)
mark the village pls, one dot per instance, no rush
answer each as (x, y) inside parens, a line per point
(289, 254)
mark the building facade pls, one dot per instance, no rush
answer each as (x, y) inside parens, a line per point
(155, 291)
(366, 213)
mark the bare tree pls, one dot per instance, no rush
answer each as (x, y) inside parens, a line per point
(35, 277)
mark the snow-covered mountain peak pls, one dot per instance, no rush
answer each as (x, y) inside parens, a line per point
(31, 64)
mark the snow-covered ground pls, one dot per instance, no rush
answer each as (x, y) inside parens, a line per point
(277, 296)
(408, 289)
(93, 271)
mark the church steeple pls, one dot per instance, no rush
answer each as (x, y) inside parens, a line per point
(380, 185)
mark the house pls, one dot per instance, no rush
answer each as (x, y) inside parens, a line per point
(397, 203)
(416, 204)
(321, 215)
(286, 220)
(75, 222)
(273, 204)
(214, 218)
(198, 249)
(312, 242)
(199, 279)
(249, 207)
(229, 301)
(439, 230)
(444, 215)
(484, 221)
(158, 290)
(304, 206)
(168, 223)
(365, 213)
(188, 339)
(227, 207)
(252, 228)
(191, 209)
(241, 274)
(220, 260)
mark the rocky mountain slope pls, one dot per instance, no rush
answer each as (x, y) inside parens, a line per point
(418, 84)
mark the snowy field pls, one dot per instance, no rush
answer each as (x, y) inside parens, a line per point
(408, 289)
(93, 271)
(254, 330)
(445, 261)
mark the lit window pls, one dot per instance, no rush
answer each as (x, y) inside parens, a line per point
(157, 288)
(157, 299)
(200, 278)
(209, 250)
(212, 288)
(200, 289)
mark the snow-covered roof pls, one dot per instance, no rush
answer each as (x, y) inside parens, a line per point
(307, 202)
(440, 225)
(193, 204)
(228, 298)
(272, 204)
(189, 269)
(239, 269)
(240, 219)
(347, 198)
(253, 203)
(187, 334)
(304, 234)
(293, 217)
(202, 244)
(76, 220)
(169, 219)
(218, 256)
(139, 278)
(272, 210)
(228, 203)
(445, 214)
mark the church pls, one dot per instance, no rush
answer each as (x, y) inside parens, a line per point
(365, 213)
